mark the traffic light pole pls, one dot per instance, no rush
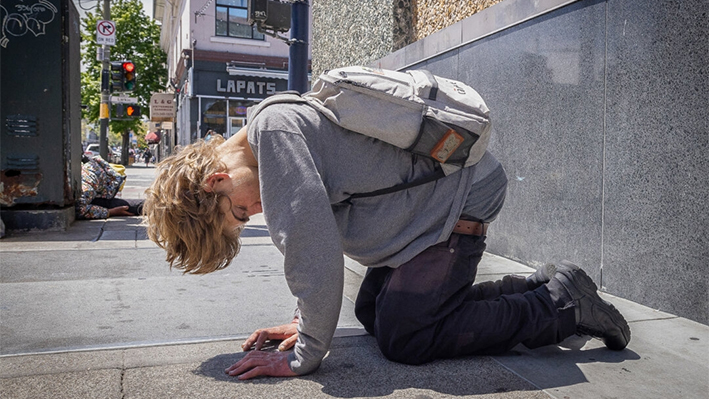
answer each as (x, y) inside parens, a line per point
(105, 110)
(298, 53)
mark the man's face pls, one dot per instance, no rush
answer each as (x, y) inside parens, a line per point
(243, 198)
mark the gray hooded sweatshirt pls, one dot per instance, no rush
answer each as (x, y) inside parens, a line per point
(309, 167)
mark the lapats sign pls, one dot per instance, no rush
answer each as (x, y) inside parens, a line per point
(209, 83)
(246, 87)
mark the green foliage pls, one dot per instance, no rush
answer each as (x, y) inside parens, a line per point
(137, 40)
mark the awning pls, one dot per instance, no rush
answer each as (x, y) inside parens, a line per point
(258, 73)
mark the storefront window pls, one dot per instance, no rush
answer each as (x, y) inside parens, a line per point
(238, 108)
(213, 116)
(235, 124)
(230, 11)
(237, 115)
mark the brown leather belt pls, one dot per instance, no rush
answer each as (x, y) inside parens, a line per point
(471, 228)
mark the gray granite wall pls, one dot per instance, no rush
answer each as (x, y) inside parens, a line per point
(656, 174)
(600, 119)
(356, 32)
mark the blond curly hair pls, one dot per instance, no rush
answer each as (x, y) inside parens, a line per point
(185, 219)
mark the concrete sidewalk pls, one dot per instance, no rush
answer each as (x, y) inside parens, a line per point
(94, 312)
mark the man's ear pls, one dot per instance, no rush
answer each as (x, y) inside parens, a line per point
(214, 181)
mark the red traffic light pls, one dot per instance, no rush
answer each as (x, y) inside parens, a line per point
(128, 76)
(123, 76)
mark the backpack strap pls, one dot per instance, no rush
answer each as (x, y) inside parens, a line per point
(399, 187)
(290, 96)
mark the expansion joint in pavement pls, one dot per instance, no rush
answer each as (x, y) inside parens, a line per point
(100, 233)
(669, 317)
(123, 375)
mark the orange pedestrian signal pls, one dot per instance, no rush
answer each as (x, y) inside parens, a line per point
(133, 111)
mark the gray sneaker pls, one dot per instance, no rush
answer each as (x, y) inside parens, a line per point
(594, 316)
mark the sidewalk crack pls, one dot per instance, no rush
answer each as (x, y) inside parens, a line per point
(669, 317)
(123, 374)
(100, 233)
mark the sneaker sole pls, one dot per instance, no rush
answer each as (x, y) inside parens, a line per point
(589, 289)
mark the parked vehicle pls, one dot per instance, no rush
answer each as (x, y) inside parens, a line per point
(93, 149)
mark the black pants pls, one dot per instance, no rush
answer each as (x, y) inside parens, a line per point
(428, 308)
(134, 206)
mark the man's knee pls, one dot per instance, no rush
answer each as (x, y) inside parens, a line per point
(412, 348)
(366, 316)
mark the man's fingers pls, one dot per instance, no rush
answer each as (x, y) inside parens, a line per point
(288, 343)
(254, 372)
(238, 368)
(260, 363)
(243, 364)
(255, 340)
(231, 368)
(250, 341)
(259, 337)
(261, 340)
(250, 361)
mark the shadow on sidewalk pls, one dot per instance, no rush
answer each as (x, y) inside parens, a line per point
(358, 369)
(565, 364)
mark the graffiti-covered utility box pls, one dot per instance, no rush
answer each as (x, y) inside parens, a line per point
(40, 108)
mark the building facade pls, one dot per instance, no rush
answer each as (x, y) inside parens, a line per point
(218, 66)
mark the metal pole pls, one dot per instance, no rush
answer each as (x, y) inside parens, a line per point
(298, 54)
(104, 112)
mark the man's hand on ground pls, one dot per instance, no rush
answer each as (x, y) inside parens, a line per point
(257, 363)
(119, 211)
(287, 332)
(274, 364)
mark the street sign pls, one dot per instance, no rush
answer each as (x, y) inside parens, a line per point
(124, 100)
(103, 55)
(106, 33)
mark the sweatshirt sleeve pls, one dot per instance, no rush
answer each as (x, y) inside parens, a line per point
(84, 208)
(301, 223)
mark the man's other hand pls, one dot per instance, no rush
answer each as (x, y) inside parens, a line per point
(257, 363)
(287, 332)
(119, 211)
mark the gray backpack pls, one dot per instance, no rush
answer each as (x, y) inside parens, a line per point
(436, 117)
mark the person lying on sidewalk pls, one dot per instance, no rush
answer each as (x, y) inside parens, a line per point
(99, 185)
(422, 245)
